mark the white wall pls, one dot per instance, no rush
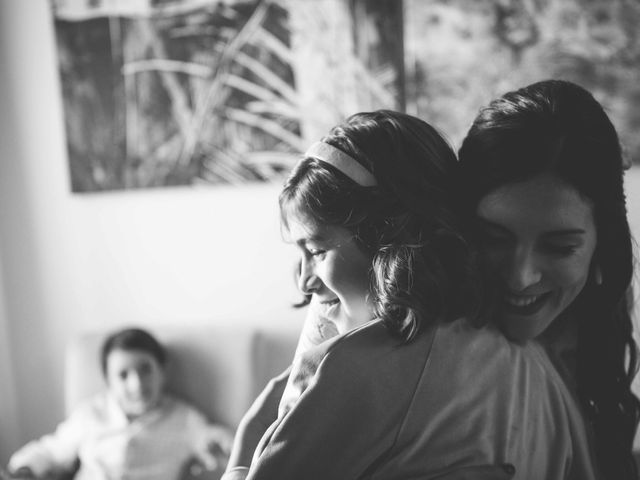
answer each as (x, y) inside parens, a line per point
(632, 188)
(71, 263)
(8, 420)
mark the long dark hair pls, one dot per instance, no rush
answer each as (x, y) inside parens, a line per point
(422, 270)
(559, 127)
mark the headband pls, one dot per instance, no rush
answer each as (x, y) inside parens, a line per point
(343, 162)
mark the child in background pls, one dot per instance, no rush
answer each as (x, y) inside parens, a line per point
(133, 430)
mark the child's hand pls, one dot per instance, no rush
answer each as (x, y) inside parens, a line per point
(22, 473)
(25, 473)
(262, 413)
(194, 470)
(264, 410)
(215, 447)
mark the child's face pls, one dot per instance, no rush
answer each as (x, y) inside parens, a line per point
(334, 270)
(136, 380)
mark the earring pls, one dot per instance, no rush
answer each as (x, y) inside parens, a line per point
(597, 275)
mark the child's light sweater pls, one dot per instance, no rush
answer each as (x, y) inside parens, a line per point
(154, 446)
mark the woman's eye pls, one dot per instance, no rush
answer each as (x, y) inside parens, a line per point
(316, 252)
(562, 250)
(492, 240)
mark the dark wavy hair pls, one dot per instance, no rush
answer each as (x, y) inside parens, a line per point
(131, 339)
(558, 127)
(423, 268)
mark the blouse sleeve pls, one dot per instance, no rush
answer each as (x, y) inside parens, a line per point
(208, 442)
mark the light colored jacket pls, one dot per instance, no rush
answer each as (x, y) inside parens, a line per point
(371, 407)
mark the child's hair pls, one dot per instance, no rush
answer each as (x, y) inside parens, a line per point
(558, 127)
(131, 339)
(422, 269)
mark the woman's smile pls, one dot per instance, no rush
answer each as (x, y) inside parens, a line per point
(525, 304)
(538, 237)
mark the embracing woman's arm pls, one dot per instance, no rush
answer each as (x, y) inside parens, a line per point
(256, 421)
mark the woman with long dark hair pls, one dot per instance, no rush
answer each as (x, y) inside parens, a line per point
(542, 179)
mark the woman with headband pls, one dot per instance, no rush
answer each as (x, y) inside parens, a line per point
(414, 386)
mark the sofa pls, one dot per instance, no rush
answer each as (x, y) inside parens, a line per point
(218, 368)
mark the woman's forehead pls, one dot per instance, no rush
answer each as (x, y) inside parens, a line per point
(543, 201)
(303, 229)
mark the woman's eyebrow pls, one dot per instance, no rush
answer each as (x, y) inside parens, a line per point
(483, 222)
(564, 232)
(311, 238)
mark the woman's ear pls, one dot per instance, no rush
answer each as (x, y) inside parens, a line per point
(596, 272)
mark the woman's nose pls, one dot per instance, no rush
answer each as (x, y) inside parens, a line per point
(308, 281)
(521, 271)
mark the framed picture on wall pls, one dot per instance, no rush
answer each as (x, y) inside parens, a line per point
(181, 92)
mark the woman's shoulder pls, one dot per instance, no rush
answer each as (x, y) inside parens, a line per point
(472, 340)
(483, 341)
(373, 342)
(455, 349)
(457, 340)
(484, 352)
(483, 363)
(376, 341)
(370, 342)
(370, 352)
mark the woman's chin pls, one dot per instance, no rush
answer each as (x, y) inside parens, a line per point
(521, 330)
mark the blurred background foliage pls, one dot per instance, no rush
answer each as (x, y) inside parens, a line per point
(461, 54)
(178, 92)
